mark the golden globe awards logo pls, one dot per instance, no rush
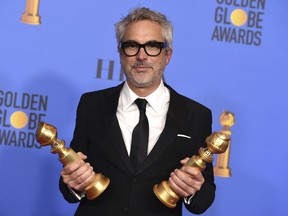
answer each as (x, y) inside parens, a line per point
(239, 21)
(20, 114)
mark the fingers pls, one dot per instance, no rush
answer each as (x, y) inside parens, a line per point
(78, 174)
(82, 156)
(193, 172)
(81, 178)
(186, 181)
(184, 161)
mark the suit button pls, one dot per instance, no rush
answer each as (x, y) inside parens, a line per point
(134, 180)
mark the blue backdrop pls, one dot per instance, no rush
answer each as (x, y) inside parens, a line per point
(228, 55)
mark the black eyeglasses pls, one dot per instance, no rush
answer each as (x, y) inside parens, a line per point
(152, 48)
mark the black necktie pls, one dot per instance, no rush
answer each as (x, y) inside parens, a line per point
(140, 136)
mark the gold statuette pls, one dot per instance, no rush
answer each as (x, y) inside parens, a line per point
(46, 134)
(217, 143)
(227, 120)
(31, 16)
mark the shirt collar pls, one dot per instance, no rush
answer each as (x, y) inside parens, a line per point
(156, 99)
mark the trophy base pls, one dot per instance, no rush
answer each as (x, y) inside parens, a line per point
(222, 172)
(99, 184)
(31, 19)
(165, 194)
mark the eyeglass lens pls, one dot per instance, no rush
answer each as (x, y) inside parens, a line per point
(152, 48)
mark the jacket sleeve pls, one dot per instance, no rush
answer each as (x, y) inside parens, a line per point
(203, 199)
(78, 138)
(67, 193)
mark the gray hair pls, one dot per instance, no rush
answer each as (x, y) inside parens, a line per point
(138, 14)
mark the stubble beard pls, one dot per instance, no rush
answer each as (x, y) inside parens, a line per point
(143, 80)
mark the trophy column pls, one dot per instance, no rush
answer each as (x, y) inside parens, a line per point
(46, 134)
(222, 169)
(31, 16)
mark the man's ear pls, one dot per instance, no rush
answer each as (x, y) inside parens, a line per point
(168, 55)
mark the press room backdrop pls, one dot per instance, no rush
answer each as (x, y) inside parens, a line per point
(228, 55)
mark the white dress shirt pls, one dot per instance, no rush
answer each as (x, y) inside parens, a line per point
(156, 111)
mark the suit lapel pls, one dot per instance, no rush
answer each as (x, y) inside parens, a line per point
(109, 108)
(176, 115)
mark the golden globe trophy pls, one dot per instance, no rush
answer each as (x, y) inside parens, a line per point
(217, 143)
(46, 134)
(222, 169)
(31, 16)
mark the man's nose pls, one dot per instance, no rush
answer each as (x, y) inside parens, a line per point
(142, 53)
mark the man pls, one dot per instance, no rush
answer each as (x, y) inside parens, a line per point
(178, 127)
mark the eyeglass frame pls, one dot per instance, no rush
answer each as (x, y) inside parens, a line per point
(162, 45)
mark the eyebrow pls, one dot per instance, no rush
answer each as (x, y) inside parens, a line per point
(133, 41)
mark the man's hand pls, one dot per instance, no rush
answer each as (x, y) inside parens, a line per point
(78, 174)
(186, 181)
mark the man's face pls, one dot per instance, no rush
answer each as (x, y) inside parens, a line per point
(142, 70)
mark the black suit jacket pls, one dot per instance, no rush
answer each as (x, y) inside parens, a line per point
(97, 134)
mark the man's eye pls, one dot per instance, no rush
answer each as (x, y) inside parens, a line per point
(131, 45)
(153, 45)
